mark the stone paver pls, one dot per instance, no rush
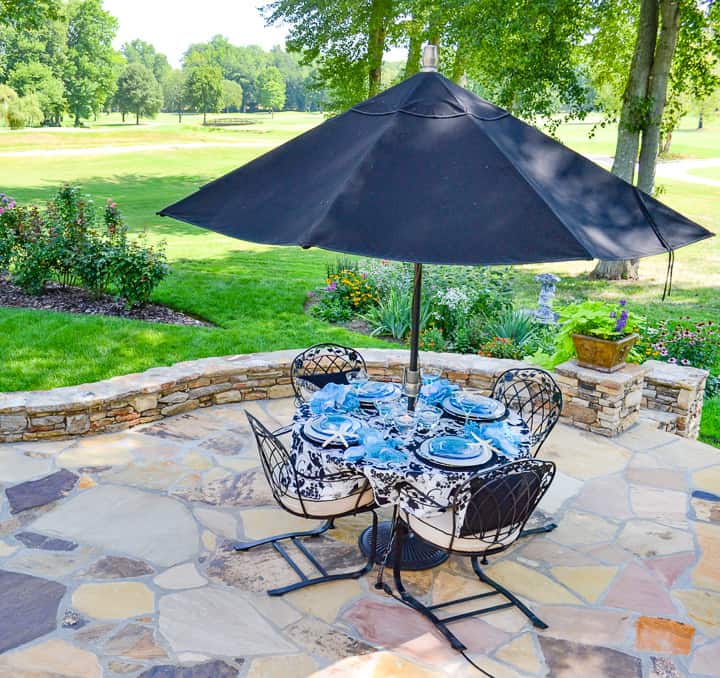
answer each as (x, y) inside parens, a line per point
(123, 565)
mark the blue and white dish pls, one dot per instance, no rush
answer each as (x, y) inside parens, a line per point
(373, 391)
(454, 451)
(337, 428)
(487, 409)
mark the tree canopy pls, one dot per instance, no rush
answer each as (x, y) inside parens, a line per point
(203, 86)
(141, 52)
(138, 92)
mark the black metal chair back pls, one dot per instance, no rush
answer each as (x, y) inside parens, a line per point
(323, 364)
(533, 394)
(501, 502)
(277, 466)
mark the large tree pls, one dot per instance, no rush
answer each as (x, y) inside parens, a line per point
(272, 89)
(345, 38)
(232, 96)
(141, 52)
(675, 50)
(174, 99)
(28, 14)
(203, 87)
(138, 92)
(89, 72)
(36, 78)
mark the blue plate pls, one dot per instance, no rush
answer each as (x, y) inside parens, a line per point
(484, 406)
(377, 390)
(454, 451)
(329, 424)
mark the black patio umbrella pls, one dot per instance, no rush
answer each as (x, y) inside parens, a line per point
(429, 173)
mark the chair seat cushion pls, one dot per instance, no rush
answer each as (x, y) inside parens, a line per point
(329, 507)
(438, 531)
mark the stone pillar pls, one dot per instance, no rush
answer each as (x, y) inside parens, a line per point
(673, 397)
(603, 403)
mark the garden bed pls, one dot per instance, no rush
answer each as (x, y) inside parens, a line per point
(77, 300)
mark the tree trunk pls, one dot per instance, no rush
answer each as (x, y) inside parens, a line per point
(657, 91)
(122, 114)
(377, 34)
(204, 117)
(458, 68)
(628, 135)
(412, 65)
(667, 142)
(137, 117)
(700, 119)
(180, 117)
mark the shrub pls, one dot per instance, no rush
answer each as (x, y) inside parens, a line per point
(392, 315)
(432, 339)
(502, 347)
(353, 288)
(23, 112)
(514, 325)
(138, 268)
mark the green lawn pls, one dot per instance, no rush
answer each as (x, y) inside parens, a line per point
(707, 172)
(255, 294)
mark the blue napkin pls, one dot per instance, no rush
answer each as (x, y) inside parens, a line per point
(375, 448)
(498, 433)
(334, 398)
(437, 391)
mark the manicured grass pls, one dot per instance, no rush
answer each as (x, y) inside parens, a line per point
(253, 293)
(707, 172)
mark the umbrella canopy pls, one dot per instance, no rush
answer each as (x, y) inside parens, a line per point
(427, 172)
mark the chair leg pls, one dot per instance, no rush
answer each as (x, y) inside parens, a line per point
(305, 581)
(246, 546)
(411, 601)
(536, 621)
(538, 530)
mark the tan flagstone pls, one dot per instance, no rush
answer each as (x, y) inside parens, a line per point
(529, 583)
(290, 666)
(578, 528)
(648, 539)
(275, 609)
(209, 540)
(237, 464)
(643, 436)
(706, 574)
(52, 658)
(657, 477)
(196, 461)
(183, 576)
(334, 596)
(544, 550)
(585, 624)
(562, 448)
(708, 480)
(265, 522)
(6, 549)
(706, 659)
(686, 454)
(588, 581)
(659, 504)
(522, 654)
(510, 620)
(115, 449)
(220, 522)
(154, 475)
(494, 668)
(377, 665)
(117, 600)
(703, 608)
(705, 509)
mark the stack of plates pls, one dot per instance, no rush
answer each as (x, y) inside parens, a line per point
(372, 391)
(484, 409)
(454, 451)
(339, 427)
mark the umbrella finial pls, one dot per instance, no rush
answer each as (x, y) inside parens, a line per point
(430, 58)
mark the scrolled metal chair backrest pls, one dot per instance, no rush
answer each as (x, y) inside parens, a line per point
(329, 359)
(501, 501)
(277, 466)
(533, 394)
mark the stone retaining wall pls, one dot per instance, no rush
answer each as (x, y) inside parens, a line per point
(122, 402)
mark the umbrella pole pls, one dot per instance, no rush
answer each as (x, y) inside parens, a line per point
(412, 375)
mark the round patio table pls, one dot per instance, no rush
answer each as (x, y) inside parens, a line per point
(314, 461)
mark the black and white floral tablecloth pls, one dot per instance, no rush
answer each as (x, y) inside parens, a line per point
(316, 463)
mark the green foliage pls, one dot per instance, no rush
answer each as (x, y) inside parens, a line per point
(89, 72)
(271, 93)
(141, 52)
(26, 14)
(24, 112)
(203, 87)
(232, 96)
(37, 78)
(392, 315)
(517, 326)
(138, 92)
(432, 339)
(68, 242)
(174, 90)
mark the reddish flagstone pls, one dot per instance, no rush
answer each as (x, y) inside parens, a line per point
(640, 590)
(663, 635)
(671, 567)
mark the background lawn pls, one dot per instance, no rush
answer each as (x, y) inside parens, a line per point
(255, 294)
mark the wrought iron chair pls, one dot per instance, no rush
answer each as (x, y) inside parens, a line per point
(498, 505)
(535, 396)
(294, 491)
(320, 365)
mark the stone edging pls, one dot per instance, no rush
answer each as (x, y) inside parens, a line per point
(129, 400)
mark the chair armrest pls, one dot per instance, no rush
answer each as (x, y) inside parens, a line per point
(283, 430)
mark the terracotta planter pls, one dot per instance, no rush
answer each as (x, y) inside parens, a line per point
(602, 354)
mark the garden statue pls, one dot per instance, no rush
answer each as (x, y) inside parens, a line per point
(544, 313)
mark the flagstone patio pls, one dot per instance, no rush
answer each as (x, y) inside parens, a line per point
(115, 561)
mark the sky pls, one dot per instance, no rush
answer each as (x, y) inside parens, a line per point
(172, 25)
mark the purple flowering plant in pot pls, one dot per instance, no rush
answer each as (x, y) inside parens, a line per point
(601, 334)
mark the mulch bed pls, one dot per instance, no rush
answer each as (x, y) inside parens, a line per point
(78, 300)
